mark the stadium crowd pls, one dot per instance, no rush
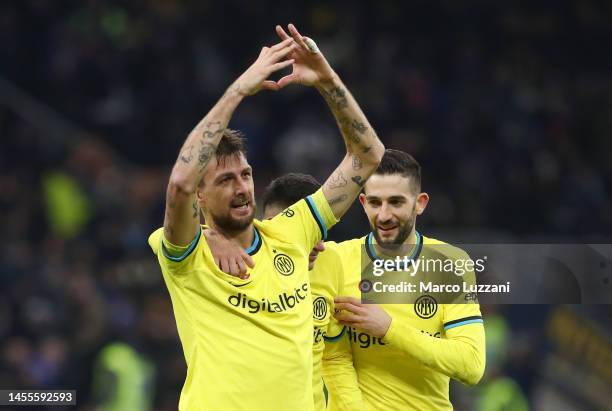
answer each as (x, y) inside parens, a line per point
(507, 109)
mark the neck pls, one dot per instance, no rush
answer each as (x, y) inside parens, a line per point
(243, 238)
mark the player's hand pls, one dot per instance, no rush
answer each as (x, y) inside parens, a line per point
(312, 257)
(256, 77)
(371, 318)
(310, 67)
(230, 258)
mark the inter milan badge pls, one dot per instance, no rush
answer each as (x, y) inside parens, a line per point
(283, 264)
(425, 306)
(319, 308)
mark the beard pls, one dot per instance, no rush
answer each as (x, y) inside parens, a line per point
(227, 223)
(404, 230)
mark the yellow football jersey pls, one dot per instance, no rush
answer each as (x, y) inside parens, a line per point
(248, 343)
(326, 280)
(392, 375)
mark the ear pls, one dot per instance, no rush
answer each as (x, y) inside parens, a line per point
(362, 199)
(421, 203)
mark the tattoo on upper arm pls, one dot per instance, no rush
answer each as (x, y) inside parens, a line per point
(337, 180)
(337, 200)
(213, 129)
(358, 180)
(357, 163)
(187, 154)
(207, 150)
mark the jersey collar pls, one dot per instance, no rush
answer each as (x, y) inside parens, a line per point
(256, 244)
(416, 251)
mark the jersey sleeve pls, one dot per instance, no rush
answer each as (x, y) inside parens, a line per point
(175, 260)
(307, 221)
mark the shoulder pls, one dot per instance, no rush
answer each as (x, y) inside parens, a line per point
(445, 249)
(155, 239)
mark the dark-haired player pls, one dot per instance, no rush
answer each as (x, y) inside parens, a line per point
(404, 354)
(247, 342)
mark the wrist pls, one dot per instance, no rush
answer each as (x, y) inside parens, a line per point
(329, 82)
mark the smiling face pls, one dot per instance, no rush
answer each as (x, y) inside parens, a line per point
(392, 203)
(226, 193)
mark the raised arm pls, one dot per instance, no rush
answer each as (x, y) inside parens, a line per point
(363, 148)
(181, 220)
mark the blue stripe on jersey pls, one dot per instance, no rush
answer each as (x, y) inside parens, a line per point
(186, 253)
(336, 338)
(255, 244)
(466, 322)
(315, 213)
(374, 256)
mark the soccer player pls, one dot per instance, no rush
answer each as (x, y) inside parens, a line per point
(248, 341)
(404, 354)
(326, 279)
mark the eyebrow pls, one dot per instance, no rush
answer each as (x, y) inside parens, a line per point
(396, 198)
(231, 174)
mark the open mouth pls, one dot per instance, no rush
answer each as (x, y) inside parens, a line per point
(386, 230)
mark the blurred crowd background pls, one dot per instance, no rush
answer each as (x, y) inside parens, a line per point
(507, 106)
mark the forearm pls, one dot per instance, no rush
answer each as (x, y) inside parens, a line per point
(181, 219)
(461, 356)
(202, 141)
(359, 136)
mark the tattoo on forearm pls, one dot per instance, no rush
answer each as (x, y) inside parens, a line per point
(207, 150)
(337, 200)
(358, 180)
(187, 155)
(357, 163)
(336, 97)
(337, 180)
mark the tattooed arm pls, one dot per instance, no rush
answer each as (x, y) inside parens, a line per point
(363, 148)
(181, 220)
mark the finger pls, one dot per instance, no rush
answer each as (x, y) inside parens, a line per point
(225, 266)
(288, 79)
(234, 270)
(281, 33)
(218, 263)
(281, 65)
(241, 266)
(284, 52)
(348, 317)
(248, 259)
(311, 265)
(350, 300)
(270, 85)
(282, 44)
(320, 246)
(355, 309)
(297, 37)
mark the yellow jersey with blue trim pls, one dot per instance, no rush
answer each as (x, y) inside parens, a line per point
(248, 343)
(426, 344)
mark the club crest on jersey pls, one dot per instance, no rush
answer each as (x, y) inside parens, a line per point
(283, 264)
(319, 308)
(425, 306)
